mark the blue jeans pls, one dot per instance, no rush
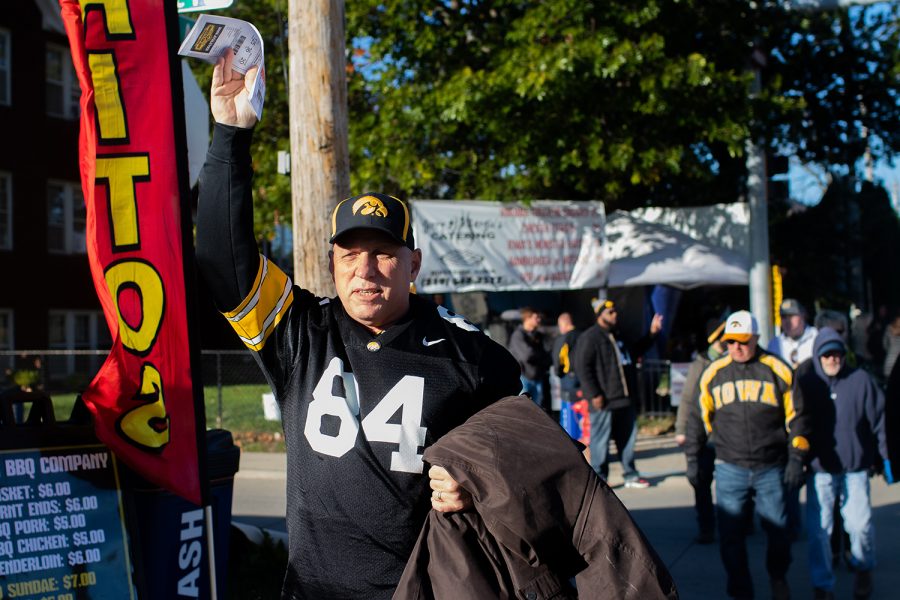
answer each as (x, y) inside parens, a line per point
(621, 425)
(856, 509)
(734, 486)
(534, 389)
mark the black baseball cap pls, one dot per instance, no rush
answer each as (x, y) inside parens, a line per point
(373, 211)
(832, 346)
(791, 307)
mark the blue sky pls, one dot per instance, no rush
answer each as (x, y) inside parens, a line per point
(807, 183)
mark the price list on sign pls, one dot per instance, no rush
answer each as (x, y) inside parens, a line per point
(62, 532)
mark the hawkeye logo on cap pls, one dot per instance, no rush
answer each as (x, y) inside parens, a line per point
(735, 324)
(369, 205)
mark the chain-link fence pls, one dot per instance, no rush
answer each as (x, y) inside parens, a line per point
(63, 374)
(234, 386)
(653, 396)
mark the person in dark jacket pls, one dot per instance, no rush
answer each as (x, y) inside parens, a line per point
(541, 518)
(847, 438)
(746, 400)
(562, 353)
(700, 471)
(526, 344)
(607, 375)
(892, 414)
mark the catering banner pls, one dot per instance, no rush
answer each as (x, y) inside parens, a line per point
(147, 407)
(492, 246)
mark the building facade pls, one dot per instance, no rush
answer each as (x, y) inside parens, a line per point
(47, 298)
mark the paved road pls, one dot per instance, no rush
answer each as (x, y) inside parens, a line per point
(664, 512)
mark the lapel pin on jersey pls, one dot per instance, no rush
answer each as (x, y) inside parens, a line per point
(373, 346)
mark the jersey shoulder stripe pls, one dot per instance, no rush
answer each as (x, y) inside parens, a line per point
(779, 367)
(265, 305)
(713, 369)
(458, 320)
(707, 406)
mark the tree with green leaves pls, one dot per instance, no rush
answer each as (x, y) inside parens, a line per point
(272, 191)
(634, 105)
(567, 99)
(832, 78)
(604, 100)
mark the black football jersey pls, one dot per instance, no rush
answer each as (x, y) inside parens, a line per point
(358, 411)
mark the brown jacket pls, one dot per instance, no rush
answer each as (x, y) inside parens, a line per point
(542, 517)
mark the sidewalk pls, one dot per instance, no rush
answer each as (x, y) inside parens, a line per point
(664, 512)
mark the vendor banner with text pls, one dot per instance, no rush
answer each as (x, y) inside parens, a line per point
(492, 246)
(146, 406)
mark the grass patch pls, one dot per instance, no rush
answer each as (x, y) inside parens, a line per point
(242, 415)
(655, 424)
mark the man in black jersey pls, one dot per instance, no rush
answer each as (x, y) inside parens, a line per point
(365, 381)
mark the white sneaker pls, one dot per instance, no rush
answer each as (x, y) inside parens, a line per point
(637, 482)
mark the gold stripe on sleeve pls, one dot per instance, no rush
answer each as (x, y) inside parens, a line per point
(564, 358)
(707, 405)
(779, 367)
(268, 301)
(789, 411)
(254, 289)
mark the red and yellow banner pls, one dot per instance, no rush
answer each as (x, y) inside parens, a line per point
(143, 399)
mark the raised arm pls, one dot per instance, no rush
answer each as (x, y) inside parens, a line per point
(229, 94)
(227, 253)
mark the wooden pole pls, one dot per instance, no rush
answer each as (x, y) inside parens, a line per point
(320, 165)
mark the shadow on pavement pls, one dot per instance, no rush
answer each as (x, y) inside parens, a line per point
(699, 575)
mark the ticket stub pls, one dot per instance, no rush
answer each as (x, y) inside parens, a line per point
(213, 35)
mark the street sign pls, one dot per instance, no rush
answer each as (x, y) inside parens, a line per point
(202, 5)
(184, 27)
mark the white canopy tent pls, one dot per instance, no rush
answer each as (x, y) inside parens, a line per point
(644, 252)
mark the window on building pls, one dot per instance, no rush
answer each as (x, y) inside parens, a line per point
(5, 211)
(66, 218)
(5, 67)
(63, 92)
(71, 331)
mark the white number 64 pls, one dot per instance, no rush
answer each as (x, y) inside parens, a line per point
(406, 395)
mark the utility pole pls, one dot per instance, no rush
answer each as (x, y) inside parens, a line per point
(320, 164)
(757, 178)
(760, 298)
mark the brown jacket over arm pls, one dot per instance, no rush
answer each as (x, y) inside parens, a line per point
(541, 517)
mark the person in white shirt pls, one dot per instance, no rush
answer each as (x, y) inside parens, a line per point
(795, 342)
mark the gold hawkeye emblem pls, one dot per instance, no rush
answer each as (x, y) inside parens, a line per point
(370, 205)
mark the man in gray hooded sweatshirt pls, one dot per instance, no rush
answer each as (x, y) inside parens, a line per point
(845, 408)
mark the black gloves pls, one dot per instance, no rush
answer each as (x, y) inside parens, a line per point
(693, 472)
(793, 472)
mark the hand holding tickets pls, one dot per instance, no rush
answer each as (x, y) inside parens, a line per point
(213, 36)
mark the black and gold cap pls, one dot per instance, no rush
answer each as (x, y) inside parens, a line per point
(601, 304)
(373, 211)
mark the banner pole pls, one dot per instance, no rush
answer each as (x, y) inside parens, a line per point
(210, 538)
(190, 285)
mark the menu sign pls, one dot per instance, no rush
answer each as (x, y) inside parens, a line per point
(62, 532)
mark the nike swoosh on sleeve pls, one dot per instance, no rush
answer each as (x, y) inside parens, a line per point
(425, 341)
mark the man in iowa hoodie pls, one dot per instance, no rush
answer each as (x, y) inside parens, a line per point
(845, 408)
